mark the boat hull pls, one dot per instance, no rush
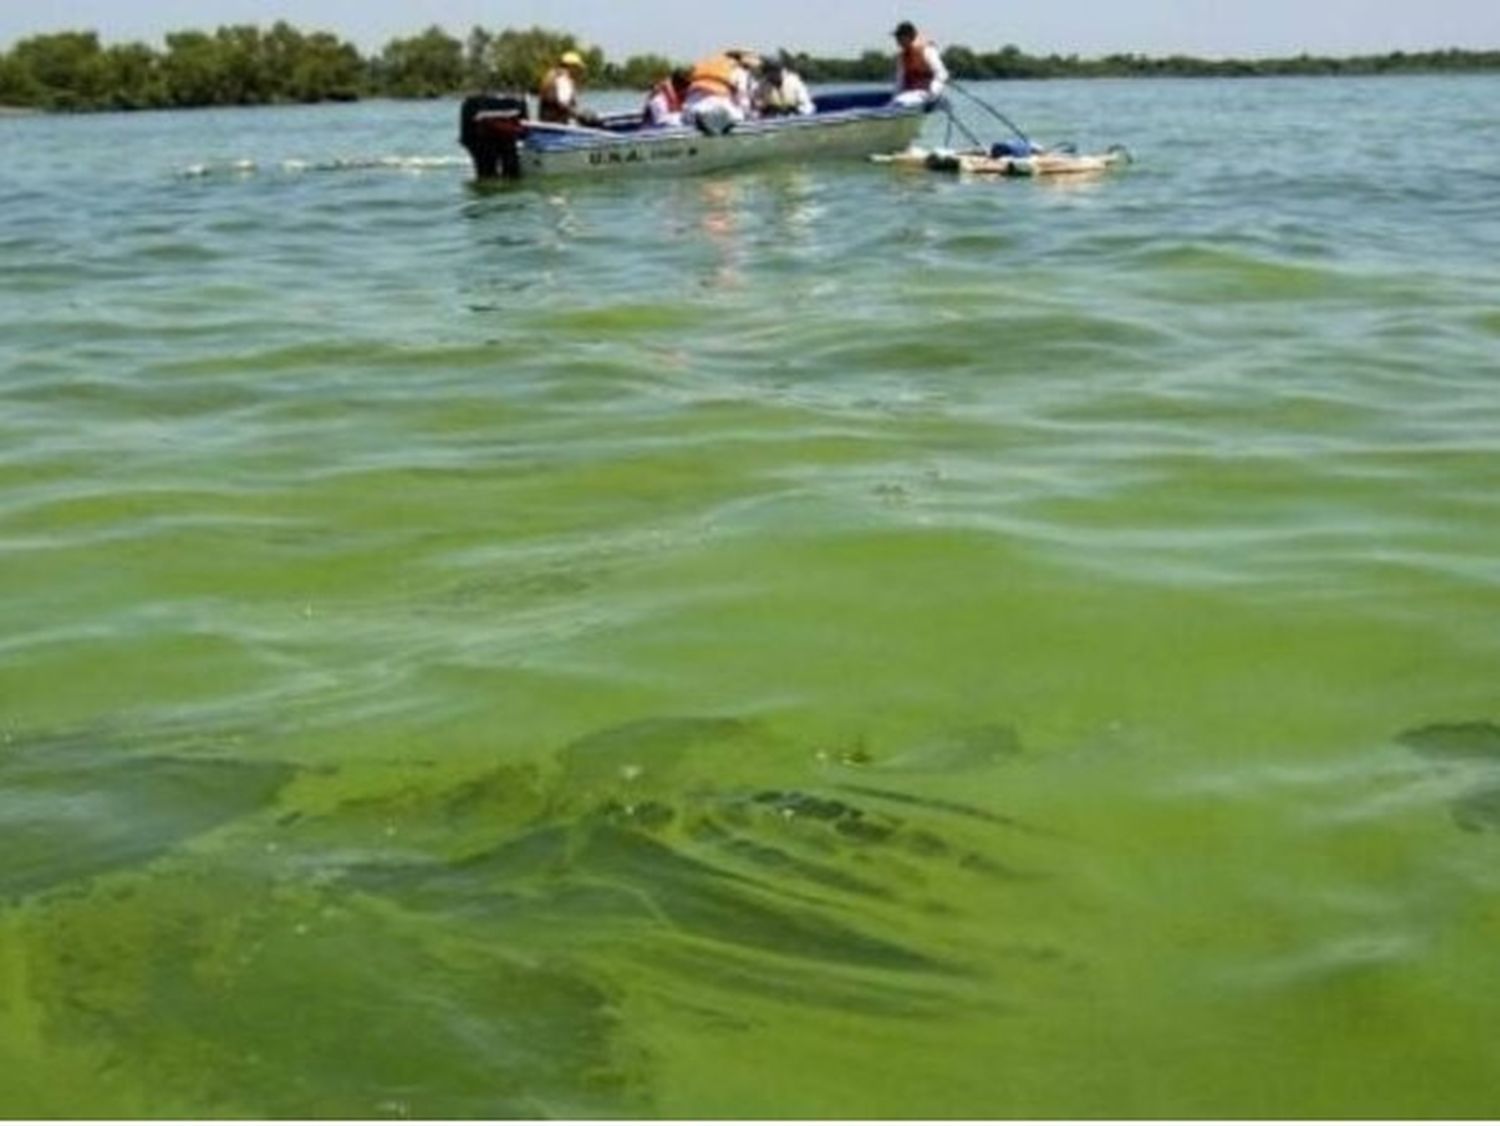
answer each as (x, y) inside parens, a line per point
(851, 126)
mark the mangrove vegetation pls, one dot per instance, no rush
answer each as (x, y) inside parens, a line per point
(248, 65)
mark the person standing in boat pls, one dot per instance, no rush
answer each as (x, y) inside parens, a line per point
(781, 91)
(720, 91)
(921, 76)
(664, 106)
(558, 94)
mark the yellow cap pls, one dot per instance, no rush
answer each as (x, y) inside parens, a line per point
(574, 59)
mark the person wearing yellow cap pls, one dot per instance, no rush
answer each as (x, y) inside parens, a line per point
(558, 93)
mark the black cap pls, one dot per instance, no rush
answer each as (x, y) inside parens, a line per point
(905, 27)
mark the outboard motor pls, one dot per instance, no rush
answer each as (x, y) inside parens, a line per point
(491, 127)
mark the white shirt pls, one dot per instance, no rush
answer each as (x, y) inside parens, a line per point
(744, 87)
(659, 111)
(791, 94)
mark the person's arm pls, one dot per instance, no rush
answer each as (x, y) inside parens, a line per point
(939, 72)
(804, 98)
(567, 93)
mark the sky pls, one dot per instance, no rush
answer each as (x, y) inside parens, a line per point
(687, 28)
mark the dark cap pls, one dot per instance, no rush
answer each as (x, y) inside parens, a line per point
(905, 27)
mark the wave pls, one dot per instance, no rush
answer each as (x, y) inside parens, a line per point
(294, 166)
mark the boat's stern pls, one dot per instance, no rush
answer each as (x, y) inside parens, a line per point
(492, 127)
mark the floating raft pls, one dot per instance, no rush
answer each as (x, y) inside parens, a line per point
(978, 163)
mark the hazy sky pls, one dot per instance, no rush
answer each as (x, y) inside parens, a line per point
(684, 28)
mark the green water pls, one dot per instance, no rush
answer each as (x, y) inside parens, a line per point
(819, 642)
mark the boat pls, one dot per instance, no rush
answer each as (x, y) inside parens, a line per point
(505, 143)
(1001, 161)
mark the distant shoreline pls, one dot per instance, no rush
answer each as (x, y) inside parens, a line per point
(625, 88)
(8, 112)
(248, 66)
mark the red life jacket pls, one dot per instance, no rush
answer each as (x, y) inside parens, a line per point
(916, 71)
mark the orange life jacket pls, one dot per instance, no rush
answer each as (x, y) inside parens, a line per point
(665, 89)
(916, 71)
(715, 75)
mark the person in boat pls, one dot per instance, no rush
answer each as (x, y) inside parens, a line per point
(720, 91)
(558, 94)
(781, 91)
(921, 76)
(664, 106)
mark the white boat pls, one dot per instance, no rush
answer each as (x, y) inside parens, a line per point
(1033, 162)
(505, 143)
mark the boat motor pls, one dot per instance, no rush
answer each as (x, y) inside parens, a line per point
(491, 127)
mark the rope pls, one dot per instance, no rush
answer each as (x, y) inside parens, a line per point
(968, 134)
(1014, 128)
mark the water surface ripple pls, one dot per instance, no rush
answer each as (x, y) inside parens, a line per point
(963, 649)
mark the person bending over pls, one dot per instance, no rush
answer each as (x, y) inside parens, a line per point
(719, 92)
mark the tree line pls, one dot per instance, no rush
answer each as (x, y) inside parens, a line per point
(248, 65)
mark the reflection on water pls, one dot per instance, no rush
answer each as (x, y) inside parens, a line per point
(795, 204)
(717, 221)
